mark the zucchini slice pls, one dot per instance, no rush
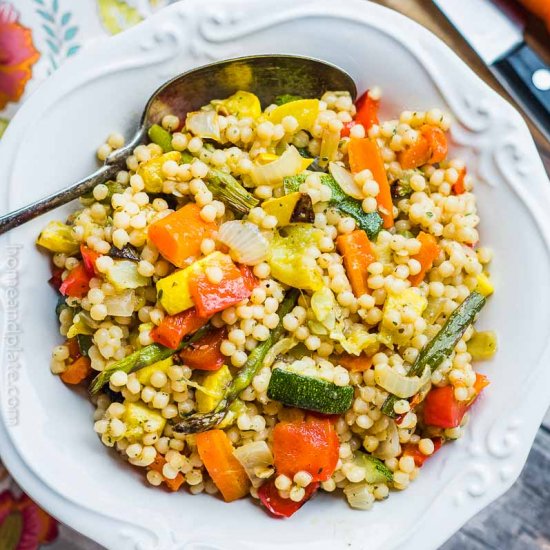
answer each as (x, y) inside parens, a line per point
(306, 392)
(375, 470)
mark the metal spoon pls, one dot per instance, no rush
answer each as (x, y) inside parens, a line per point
(268, 76)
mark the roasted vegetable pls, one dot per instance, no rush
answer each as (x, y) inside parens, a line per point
(293, 208)
(136, 415)
(241, 104)
(288, 259)
(127, 252)
(139, 359)
(305, 392)
(371, 223)
(282, 507)
(123, 274)
(227, 189)
(442, 345)
(305, 111)
(375, 470)
(213, 387)
(201, 422)
(151, 171)
(482, 345)
(163, 138)
(58, 237)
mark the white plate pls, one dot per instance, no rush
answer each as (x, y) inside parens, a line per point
(46, 436)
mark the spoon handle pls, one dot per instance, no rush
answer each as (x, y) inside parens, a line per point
(59, 198)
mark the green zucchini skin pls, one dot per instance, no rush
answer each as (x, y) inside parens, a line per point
(306, 392)
(370, 222)
(443, 343)
(375, 470)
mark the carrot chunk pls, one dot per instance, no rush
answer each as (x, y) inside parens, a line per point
(226, 471)
(364, 153)
(77, 371)
(158, 465)
(178, 236)
(174, 328)
(357, 252)
(429, 250)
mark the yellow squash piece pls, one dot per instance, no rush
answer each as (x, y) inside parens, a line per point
(266, 158)
(173, 291)
(144, 374)
(482, 345)
(123, 274)
(484, 285)
(241, 104)
(282, 208)
(305, 111)
(151, 171)
(213, 385)
(58, 237)
(136, 416)
(397, 301)
(288, 260)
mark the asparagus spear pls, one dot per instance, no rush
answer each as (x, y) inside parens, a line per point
(157, 134)
(142, 358)
(227, 189)
(201, 422)
(442, 344)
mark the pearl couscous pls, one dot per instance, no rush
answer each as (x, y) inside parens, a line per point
(272, 302)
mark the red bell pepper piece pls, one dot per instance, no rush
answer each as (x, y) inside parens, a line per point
(250, 280)
(311, 445)
(174, 328)
(366, 114)
(209, 298)
(89, 258)
(77, 283)
(441, 408)
(55, 280)
(410, 449)
(205, 354)
(282, 507)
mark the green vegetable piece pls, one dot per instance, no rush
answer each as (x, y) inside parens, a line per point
(142, 358)
(304, 152)
(157, 134)
(306, 392)
(226, 188)
(112, 188)
(375, 470)
(286, 98)
(482, 345)
(85, 342)
(443, 343)
(370, 222)
(199, 422)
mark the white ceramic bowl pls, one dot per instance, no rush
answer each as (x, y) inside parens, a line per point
(46, 436)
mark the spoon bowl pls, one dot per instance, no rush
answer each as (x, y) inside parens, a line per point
(267, 76)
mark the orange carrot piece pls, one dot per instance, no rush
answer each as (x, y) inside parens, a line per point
(364, 153)
(77, 371)
(437, 141)
(216, 452)
(458, 187)
(178, 236)
(429, 250)
(158, 465)
(416, 155)
(357, 252)
(353, 363)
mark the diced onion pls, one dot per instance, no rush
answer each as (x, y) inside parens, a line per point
(254, 457)
(288, 164)
(120, 305)
(359, 496)
(345, 180)
(204, 124)
(399, 384)
(247, 245)
(391, 447)
(280, 347)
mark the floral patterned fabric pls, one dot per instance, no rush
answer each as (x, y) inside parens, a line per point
(36, 37)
